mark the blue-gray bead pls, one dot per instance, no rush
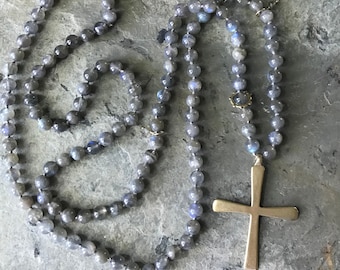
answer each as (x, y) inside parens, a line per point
(194, 146)
(129, 200)
(118, 129)
(168, 80)
(170, 51)
(170, 37)
(132, 266)
(46, 226)
(44, 197)
(24, 41)
(88, 248)
(232, 26)
(8, 129)
(137, 185)
(269, 152)
(90, 75)
(237, 39)
(42, 182)
(158, 109)
(269, 31)
(194, 70)
(109, 16)
(195, 85)
(100, 28)
(84, 216)
(192, 115)
(31, 100)
(197, 178)
(274, 91)
(209, 6)
(266, 16)
(100, 212)
(50, 168)
(271, 46)
(135, 104)
(31, 84)
(73, 41)
(59, 234)
(64, 160)
(115, 208)
(174, 23)
(102, 255)
(276, 106)
(256, 5)
(188, 41)
(38, 72)
(9, 144)
(274, 76)
(194, 6)
(117, 262)
(161, 262)
(143, 170)
(193, 100)
(195, 210)
(38, 14)
(8, 84)
(195, 194)
(150, 156)
(102, 66)
(77, 153)
(61, 51)
(275, 61)
(68, 215)
(60, 125)
(35, 215)
(45, 123)
(93, 148)
(87, 35)
(193, 28)
(49, 61)
(193, 227)
(156, 125)
(277, 122)
(7, 99)
(186, 242)
(36, 112)
(239, 84)
(54, 208)
(105, 138)
(181, 10)
(275, 138)
(191, 56)
(252, 146)
(108, 4)
(80, 104)
(31, 28)
(203, 17)
(192, 130)
(248, 130)
(73, 117)
(47, 4)
(73, 241)
(156, 142)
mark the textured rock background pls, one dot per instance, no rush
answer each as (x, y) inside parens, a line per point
(305, 173)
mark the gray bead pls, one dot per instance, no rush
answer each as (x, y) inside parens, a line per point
(100, 212)
(7, 114)
(38, 14)
(64, 160)
(61, 51)
(148, 266)
(256, 5)
(45, 123)
(135, 90)
(269, 152)
(31, 28)
(188, 41)
(77, 153)
(192, 115)
(8, 129)
(276, 106)
(156, 142)
(31, 100)
(84, 89)
(237, 39)
(170, 51)
(73, 241)
(158, 110)
(195, 162)
(194, 6)
(203, 17)
(129, 200)
(130, 119)
(127, 76)
(195, 85)
(193, 28)
(174, 23)
(195, 210)
(68, 215)
(168, 80)
(88, 248)
(275, 138)
(17, 55)
(59, 234)
(170, 66)
(44, 197)
(161, 262)
(100, 28)
(239, 54)
(277, 122)
(84, 216)
(118, 129)
(194, 146)
(239, 84)
(275, 61)
(117, 262)
(7, 99)
(80, 104)
(90, 75)
(274, 76)
(54, 208)
(18, 189)
(35, 215)
(8, 84)
(9, 144)
(73, 41)
(195, 194)
(47, 4)
(73, 117)
(171, 252)
(193, 227)
(31, 84)
(36, 112)
(49, 61)
(116, 67)
(137, 185)
(209, 6)
(115, 208)
(252, 146)
(26, 202)
(109, 16)
(60, 125)
(87, 35)
(13, 174)
(186, 242)
(150, 156)
(221, 13)
(135, 105)
(170, 37)
(271, 46)
(101, 255)
(238, 68)
(156, 125)
(11, 69)
(193, 100)
(108, 4)
(12, 159)
(197, 178)
(194, 70)
(46, 226)
(181, 10)
(38, 72)
(266, 16)
(102, 66)
(105, 138)
(269, 31)
(24, 41)
(132, 266)
(143, 170)
(42, 182)
(248, 130)
(192, 130)
(274, 91)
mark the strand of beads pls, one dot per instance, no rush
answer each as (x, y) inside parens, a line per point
(33, 99)
(242, 98)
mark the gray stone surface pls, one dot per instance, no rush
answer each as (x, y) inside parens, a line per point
(305, 173)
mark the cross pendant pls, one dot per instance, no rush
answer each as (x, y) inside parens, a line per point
(255, 211)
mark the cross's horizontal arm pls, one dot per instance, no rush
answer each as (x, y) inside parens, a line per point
(227, 206)
(287, 213)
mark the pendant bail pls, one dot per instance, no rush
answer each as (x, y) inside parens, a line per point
(258, 160)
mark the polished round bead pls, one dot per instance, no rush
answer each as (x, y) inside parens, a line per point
(84, 216)
(203, 17)
(49, 61)
(186, 242)
(135, 104)
(16, 55)
(54, 208)
(80, 104)
(132, 266)
(239, 54)
(277, 122)
(269, 31)
(127, 76)
(68, 215)
(108, 4)
(26, 202)
(31, 84)
(61, 51)
(100, 28)
(256, 5)
(271, 46)
(239, 84)
(143, 170)
(63, 160)
(38, 72)
(197, 178)
(150, 156)
(148, 266)
(7, 114)
(8, 129)
(248, 130)
(193, 28)
(158, 109)
(13, 174)
(171, 252)
(195, 210)
(47, 4)
(161, 262)
(170, 66)
(18, 189)
(73, 117)
(174, 23)
(31, 28)
(275, 61)
(93, 148)
(59, 234)
(118, 262)
(42, 182)
(12, 159)
(194, 146)
(130, 119)
(10, 69)
(90, 75)
(170, 51)
(105, 138)
(232, 26)
(188, 41)
(7, 99)
(275, 138)
(192, 115)
(88, 248)
(195, 194)
(274, 91)
(193, 227)
(77, 153)
(31, 100)
(73, 241)
(44, 123)
(101, 255)
(129, 200)
(8, 84)
(192, 130)
(167, 80)
(109, 16)
(35, 215)
(100, 212)
(193, 70)
(276, 106)
(191, 56)
(87, 35)
(209, 6)
(9, 144)
(266, 16)
(46, 226)
(60, 125)
(274, 76)
(195, 162)
(156, 125)
(24, 41)
(237, 39)
(137, 185)
(269, 152)
(115, 208)
(44, 197)
(194, 6)
(73, 41)
(156, 142)
(195, 85)
(170, 37)
(38, 14)
(252, 146)
(118, 129)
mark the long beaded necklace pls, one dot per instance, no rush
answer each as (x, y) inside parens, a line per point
(45, 209)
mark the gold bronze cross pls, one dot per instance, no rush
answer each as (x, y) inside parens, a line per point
(255, 211)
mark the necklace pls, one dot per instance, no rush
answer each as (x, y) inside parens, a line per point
(48, 213)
